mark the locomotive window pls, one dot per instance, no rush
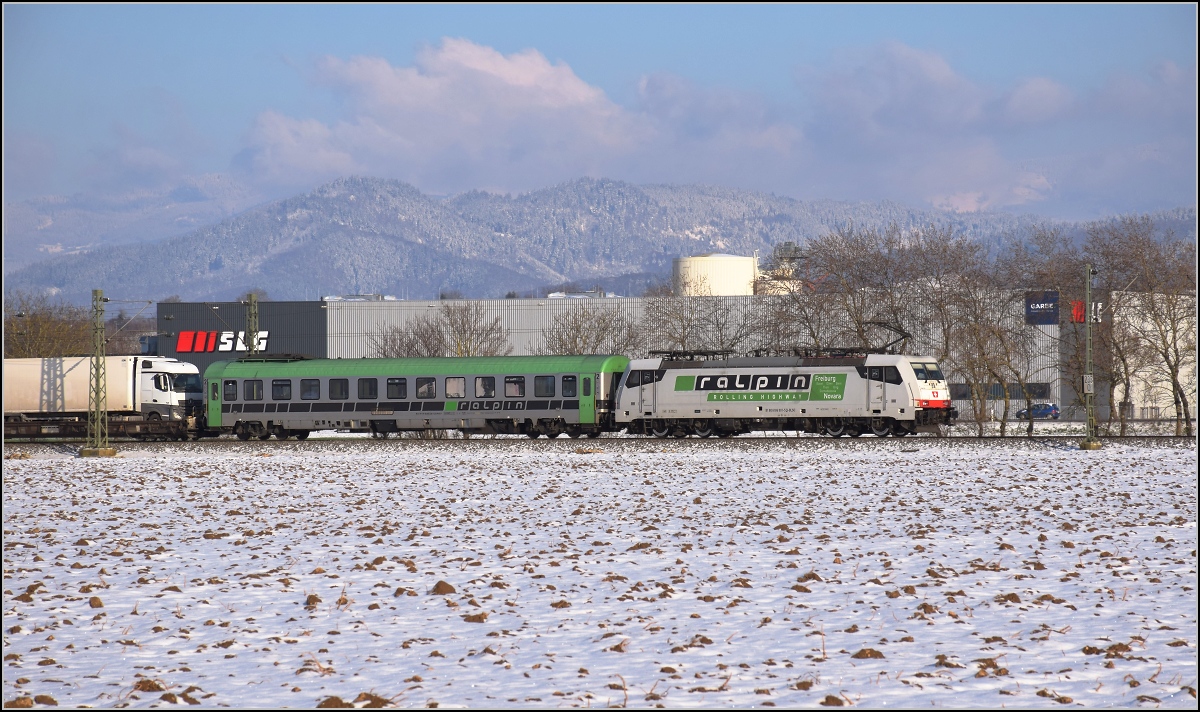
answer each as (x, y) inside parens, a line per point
(310, 389)
(514, 386)
(485, 387)
(456, 387)
(368, 388)
(919, 369)
(397, 388)
(543, 387)
(339, 388)
(648, 377)
(634, 380)
(427, 388)
(933, 372)
(252, 390)
(891, 374)
(569, 386)
(875, 373)
(587, 387)
(281, 389)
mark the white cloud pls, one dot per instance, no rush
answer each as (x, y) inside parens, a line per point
(1036, 100)
(891, 122)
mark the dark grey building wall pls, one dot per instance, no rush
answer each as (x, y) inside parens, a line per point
(296, 328)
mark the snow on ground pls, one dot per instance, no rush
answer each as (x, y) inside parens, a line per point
(747, 572)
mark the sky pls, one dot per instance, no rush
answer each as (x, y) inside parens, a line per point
(1073, 111)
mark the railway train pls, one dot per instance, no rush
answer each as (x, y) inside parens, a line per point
(671, 395)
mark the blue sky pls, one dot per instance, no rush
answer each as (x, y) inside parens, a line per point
(1064, 110)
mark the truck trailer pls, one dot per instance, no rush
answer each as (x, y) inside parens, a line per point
(147, 397)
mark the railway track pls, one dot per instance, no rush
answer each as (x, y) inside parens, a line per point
(318, 444)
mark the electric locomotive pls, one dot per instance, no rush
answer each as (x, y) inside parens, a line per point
(712, 394)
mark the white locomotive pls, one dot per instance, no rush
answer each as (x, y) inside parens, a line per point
(883, 394)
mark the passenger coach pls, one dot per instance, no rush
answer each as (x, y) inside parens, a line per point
(529, 395)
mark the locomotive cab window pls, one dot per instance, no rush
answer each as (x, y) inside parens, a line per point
(485, 387)
(397, 388)
(230, 391)
(456, 387)
(569, 383)
(368, 388)
(891, 374)
(514, 386)
(875, 373)
(651, 376)
(310, 389)
(339, 388)
(252, 390)
(281, 389)
(927, 372)
(427, 388)
(543, 387)
(634, 380)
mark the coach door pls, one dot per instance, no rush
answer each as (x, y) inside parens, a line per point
(875, 389)
(587, 398)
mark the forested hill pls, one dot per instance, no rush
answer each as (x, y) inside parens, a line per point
(368, 235)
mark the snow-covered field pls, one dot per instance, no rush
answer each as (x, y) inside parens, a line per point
(748, 572)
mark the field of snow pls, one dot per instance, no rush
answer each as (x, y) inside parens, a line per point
(805, 572)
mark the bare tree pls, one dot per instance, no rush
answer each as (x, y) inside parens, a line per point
(590, 329)
(455, 330)
(36, 326)
(697, 321)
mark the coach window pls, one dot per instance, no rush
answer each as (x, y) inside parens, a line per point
(569, 383)
(252, 390)
(485, 387)
(456, 387)
(339, 388)
(281, 389)
(310, 389)
(368, 388)
(397, 388)
(543, 387)
(427, 388)
(514, 386)
(634, 380)
(230, 391)
(891, 374)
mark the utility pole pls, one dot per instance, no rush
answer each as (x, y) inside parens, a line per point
(97, 432)
(1090, 442)
(252, 326)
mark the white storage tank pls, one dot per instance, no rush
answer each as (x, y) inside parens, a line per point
(715, 275)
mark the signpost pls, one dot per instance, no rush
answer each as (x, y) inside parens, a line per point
(1090, 442)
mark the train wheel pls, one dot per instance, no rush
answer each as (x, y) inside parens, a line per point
(302, 435)
(899, 431)
(241, 432)
(835, 428)
(573, 432)
(593, 434)
(263, 433)
(703, 428)
(853, 432)
(880, 428)
(660, 431)
(533, 435)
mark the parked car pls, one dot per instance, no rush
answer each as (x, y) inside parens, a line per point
(1040, 410)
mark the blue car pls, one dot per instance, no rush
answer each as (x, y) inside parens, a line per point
(1040, 410)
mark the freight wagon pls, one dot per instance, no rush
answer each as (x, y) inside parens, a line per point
(145, 397)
